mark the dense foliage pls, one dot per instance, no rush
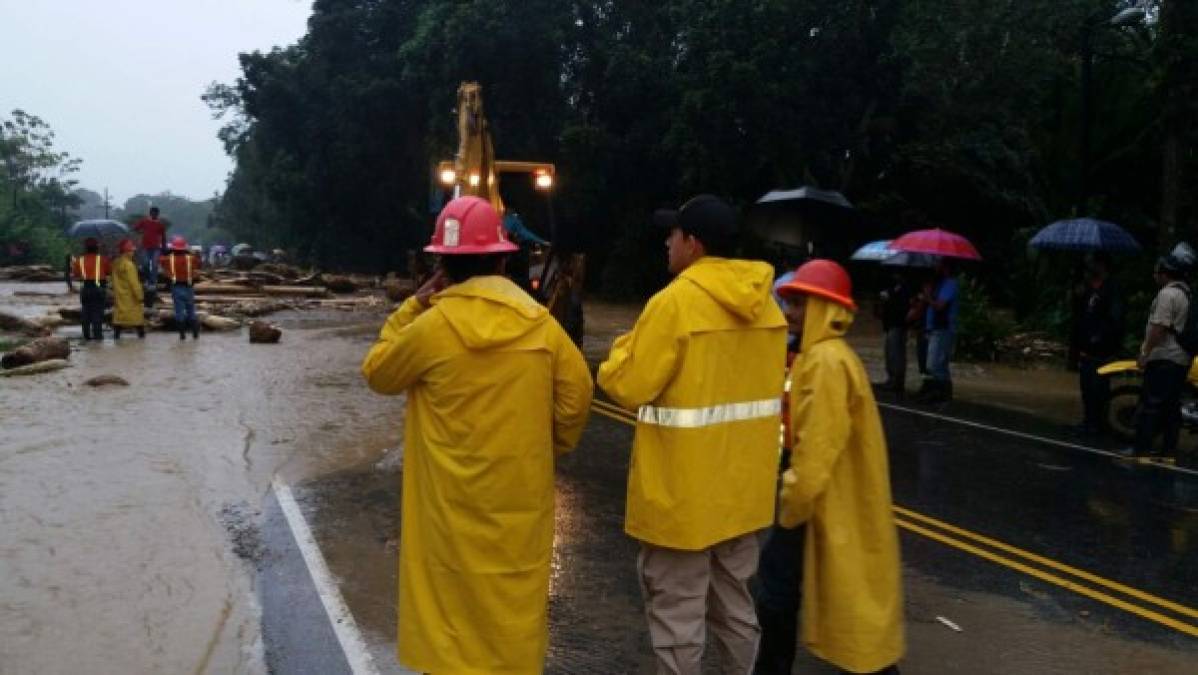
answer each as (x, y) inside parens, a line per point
(35, 191)
(966, 115)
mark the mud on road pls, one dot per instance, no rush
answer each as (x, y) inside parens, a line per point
(130, 514)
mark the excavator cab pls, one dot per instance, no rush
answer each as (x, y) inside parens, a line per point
(554, 278)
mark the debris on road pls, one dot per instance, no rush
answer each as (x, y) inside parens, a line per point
(339, 284)
(949, 623)
(106, 380)
(31, 273)
(41, 349)
(218, 323)
(35, 368)
(15, 324)
(264, 333)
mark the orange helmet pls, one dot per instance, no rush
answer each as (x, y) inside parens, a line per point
(178, 243)
(823, 278)
(469, 226)
(126, 246)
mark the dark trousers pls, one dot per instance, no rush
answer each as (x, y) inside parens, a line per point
(896, 356)
(776, 594)
(1160, 406)
(1096, 393)
(91, 297)
(921, 351)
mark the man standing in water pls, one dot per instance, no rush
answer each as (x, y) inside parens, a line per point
(496, 390)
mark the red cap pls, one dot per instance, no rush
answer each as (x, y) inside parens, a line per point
(126, 246)
(178, 243)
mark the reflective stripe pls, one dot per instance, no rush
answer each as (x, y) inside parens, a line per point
(693, 418)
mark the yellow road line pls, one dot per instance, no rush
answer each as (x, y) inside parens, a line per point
(1111, 600)
(1048, 562)
(621, 415)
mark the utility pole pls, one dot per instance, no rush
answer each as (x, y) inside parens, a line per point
(105, 203)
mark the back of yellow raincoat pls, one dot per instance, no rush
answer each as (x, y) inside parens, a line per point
(495, 388)
(703, 365)
(838, 484)
(127, 293)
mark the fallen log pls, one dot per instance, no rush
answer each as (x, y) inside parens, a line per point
(16, 324)
(41, 349)
(218, 323)
(35, 368)
(301, 291)
(339, 284)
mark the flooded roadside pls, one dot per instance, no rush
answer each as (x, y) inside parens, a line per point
(130, 514)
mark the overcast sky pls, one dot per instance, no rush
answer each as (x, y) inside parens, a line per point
(119, 81)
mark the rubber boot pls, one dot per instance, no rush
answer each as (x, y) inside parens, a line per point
(141, 332)
(116, 333)
(925, 389)
(182, 333)
(87, 331)
(97, 331)
(195, 329)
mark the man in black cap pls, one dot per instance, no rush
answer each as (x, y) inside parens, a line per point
(703, 368)
(1162, 359)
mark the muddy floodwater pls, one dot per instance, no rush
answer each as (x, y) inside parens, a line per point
(128, 515)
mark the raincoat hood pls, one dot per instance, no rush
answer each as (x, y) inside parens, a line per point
(824, 320)
(474, 317)
(742, 287)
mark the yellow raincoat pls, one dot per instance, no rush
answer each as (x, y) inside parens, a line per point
(495, 389)
(838, 484)
(127, 293)
(703, 365)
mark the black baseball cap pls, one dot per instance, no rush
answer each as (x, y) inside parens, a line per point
(704, 216)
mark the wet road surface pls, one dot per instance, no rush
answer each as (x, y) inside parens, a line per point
(140, 526)
(1129, 532)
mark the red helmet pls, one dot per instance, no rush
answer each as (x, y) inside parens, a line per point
(823, 278)
(126, 246)
(469, 225)
(178, 243)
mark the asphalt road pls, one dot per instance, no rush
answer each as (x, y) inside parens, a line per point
(1021, 553)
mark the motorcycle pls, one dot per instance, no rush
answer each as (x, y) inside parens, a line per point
(1126, 382)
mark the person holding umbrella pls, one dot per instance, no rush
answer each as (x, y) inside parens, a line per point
(1097, 336)
(92, 270)
(940, 321)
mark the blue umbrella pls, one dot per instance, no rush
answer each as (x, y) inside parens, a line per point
(909, 259)
(1085, 234)
(875, 251)
(98, 229)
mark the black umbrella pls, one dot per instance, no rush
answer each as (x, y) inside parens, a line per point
(798, 217)
(107, 230)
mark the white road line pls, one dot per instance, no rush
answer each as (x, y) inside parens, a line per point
(356, 652)
(1030, 437)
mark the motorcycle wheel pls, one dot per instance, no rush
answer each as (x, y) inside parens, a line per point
(1121, 412)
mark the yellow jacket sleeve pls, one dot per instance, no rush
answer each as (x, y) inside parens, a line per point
(572, 391)
(822, 427)
(394, 362)
(643, 361)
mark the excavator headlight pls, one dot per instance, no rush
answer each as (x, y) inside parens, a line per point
(543, 181)
(448, 177)
(474, 180)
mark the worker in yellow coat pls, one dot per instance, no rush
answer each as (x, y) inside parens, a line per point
(703, 367)
(127, 293)
(838, 484)
(495, 390)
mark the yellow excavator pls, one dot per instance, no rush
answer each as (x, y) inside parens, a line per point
(555, 278)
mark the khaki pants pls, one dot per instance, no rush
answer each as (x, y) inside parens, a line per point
(685, 591)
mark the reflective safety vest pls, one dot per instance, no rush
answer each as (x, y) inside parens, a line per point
(179, 271)
(90, 267)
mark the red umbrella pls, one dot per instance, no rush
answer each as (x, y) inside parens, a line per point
(936, 242)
